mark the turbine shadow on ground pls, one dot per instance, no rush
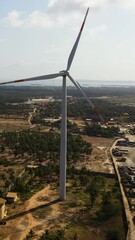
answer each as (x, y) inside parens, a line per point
(32, 210)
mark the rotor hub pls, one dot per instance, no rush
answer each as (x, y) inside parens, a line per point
(64, 73)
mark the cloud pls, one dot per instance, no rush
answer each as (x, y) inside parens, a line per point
(95, 31)
(57, 6)
(35, 19)
(39, 19)
(57, 13)
(75, 5)
(127, 3)
(13, 19)
(57, 9)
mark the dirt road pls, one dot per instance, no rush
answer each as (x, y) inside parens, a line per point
(31, 115)
(34, 215)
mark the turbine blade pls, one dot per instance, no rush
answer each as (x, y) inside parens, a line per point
(43, 77)
(78, 86)
(71, 56)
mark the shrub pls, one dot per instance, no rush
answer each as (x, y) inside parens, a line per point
(113, 234)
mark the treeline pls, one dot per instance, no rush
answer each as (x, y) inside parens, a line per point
(43, 146)
(79, 108)
(96, 130)
(76, 108)
(19, 93)
(10, 109)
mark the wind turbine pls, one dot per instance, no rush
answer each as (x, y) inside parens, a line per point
(64, 74)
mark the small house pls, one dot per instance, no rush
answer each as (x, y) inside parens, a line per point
(125, 114)
(11, 197)
(2, 208)
(111, 123)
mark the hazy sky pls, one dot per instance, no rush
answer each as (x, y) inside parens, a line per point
(36, 37)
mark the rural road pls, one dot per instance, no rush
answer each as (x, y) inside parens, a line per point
(31, 115)
(129, 215)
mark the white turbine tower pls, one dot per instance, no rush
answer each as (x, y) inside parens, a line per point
(64, 74)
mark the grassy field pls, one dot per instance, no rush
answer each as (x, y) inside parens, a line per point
(93, 222)
(13, 124)
(128, 101)
(78, 217)
(80, 220)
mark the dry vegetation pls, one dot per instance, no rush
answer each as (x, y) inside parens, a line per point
(43, 210)
(13, 124)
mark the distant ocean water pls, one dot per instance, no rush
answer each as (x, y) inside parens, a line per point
(93, 83)
(84, 83)
(90, 83)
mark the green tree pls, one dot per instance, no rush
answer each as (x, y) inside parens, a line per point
(108, 210)
(57, 235)
(113, 234)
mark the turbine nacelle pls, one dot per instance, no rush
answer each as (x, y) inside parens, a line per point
(63, 73)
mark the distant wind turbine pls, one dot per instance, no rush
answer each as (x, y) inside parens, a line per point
(64, 74)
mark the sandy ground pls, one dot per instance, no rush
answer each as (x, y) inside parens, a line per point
(31, 115)
(19, 224)
(100, 159)
(13, 124)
